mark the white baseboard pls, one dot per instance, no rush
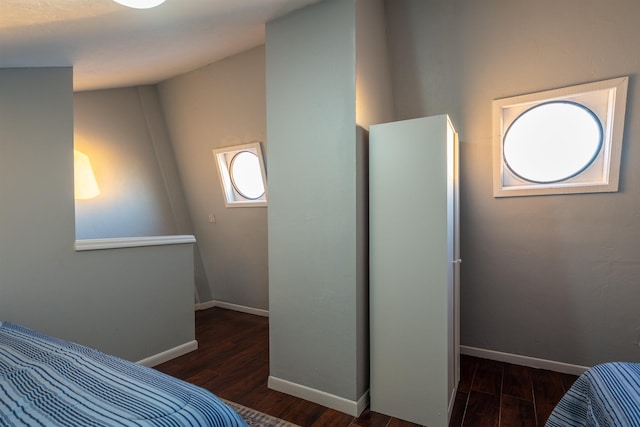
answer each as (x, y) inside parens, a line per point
(332, 401)
(229, 306)
(172, 353)
(452, 401)
(205, 305)
(517, 359)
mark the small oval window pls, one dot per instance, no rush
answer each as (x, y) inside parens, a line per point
(246, 175)
(552, 142)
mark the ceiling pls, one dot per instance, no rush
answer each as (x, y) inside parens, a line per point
(110, 45)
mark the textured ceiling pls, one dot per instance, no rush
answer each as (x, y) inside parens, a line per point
(110, 45)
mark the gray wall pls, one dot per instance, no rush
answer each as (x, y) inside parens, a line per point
(112, 127)
(554, 277)
(134, 302)
(221, 105)
(374, 97)
(123, 132)
(374, 104)
(317, 183)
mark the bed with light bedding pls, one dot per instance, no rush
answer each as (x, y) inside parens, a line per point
(605, 395)
(45, 381)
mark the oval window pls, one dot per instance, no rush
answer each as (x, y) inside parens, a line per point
(552, 142)
(246, 175)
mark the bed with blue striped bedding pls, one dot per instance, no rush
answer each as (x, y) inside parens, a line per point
(46, 381)
(605, 395)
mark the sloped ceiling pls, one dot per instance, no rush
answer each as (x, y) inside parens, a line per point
(110, 45)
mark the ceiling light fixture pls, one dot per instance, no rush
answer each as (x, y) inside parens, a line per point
(140, 4)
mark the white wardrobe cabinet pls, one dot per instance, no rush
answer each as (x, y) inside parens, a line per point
(414, 269)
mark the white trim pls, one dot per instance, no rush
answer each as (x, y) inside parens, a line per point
(167, 355)
(131, 242)
(242, 308)
(332, 401)
(605, 99)
(517, 359)
(452, 401)
(230, 306)
(223, 159)
(362, 403)
(205, 305)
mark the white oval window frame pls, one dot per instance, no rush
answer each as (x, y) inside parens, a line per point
(606, 99)
(233, 198)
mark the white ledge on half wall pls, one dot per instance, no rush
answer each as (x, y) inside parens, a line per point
(132, 242)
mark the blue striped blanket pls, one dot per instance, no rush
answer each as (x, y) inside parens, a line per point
(46, 382)
(606, 395)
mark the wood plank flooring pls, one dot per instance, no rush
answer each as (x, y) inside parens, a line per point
(232, 361)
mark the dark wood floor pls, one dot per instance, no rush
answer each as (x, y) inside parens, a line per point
(232, 361)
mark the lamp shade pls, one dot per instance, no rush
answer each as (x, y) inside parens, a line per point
(140, 4)
(85, 184)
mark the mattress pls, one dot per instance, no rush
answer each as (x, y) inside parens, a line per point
(45, 381)
(605, 395)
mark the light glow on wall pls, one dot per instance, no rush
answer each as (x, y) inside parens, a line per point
(85, 184)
